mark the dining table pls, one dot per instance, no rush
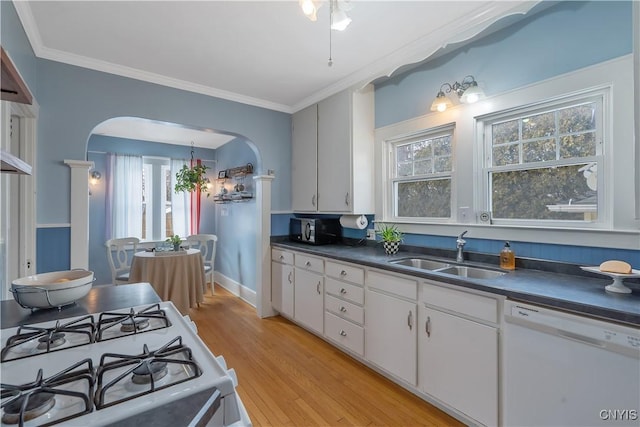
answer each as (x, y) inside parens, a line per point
(175, 276)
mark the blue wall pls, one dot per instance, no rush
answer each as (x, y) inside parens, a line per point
(236, 223)
(98, 147)
(557, 40)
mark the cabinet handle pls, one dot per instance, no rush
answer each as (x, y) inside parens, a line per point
(343, 291)
(343, 333)
(281, 257)
(313, 200)
(343, 309)
(318, 288)
(346, 199)
(427, 326)
(343, 273)
(308, 263)
(410, 320)
(289, 277)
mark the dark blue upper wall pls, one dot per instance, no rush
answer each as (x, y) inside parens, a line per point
(559, 39)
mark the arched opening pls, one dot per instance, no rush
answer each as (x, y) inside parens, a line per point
(235, 223)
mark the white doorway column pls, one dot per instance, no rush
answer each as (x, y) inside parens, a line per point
(263, 245)
(79, 257)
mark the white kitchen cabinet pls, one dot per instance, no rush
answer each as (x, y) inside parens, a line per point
(332, 157)
(282, 282)
(309, 299)
(344, 305)
(304, 160)
(457, 356)
(390, 334)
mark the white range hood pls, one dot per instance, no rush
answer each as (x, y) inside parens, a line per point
(12, 164)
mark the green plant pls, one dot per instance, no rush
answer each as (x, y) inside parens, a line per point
(389, 233)
(192, 178)
(174, 240)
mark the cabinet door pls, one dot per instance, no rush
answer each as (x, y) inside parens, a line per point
(304, 160)
(390, 334)
(458, 363)
(282, 288)
(334, 153)
(309, 300)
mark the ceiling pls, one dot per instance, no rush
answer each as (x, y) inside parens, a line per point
(263, 53)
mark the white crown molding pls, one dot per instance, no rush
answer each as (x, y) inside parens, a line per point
(415, 52)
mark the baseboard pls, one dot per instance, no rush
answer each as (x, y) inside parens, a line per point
(238, 289)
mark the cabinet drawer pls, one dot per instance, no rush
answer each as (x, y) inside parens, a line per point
(310, 263)
(344, 309)
(345, 272)
(344, 290)
(478, 306)
(284, 257)
(344, 333)
(393, 284)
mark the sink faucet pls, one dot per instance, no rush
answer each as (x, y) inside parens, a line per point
(460, 246)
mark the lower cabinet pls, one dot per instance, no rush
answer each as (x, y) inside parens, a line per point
(309, 299)
(282, 288)
(390, 334)
(458, 363)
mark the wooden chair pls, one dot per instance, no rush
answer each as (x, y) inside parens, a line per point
(120, 254)
(208, 250)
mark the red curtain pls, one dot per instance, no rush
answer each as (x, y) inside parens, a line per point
(195, 204)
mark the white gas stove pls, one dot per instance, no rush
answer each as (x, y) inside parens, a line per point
(105, 368)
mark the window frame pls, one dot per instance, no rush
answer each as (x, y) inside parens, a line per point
(156, 222)
(393, 179)
(599, 96)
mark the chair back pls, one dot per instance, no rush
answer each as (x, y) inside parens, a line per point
(120, 253)
(208, 250)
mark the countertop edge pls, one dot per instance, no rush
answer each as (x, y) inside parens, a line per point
(499, 286)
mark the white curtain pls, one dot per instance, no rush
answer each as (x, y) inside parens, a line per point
(180, 203)
(124, 196)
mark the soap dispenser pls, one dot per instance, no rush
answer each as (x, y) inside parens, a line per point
(507, 257)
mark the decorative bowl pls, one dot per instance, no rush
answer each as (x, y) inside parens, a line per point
(53, 289)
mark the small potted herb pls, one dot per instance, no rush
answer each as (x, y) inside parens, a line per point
(391, 237)
(175, 240)
(192, 178)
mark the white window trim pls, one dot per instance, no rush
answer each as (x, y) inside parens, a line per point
(600, 96)
(392, 143)
(624, 229)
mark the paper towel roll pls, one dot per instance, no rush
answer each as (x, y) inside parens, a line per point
(354, 221)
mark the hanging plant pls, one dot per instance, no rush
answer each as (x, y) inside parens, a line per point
(192, 178)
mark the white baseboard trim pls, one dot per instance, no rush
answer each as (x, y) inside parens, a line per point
(238, 289)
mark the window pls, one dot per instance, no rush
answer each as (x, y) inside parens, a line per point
(542, 164)
(156, 199)
(421, 174)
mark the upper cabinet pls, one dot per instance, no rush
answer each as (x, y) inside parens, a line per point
(332, 170)
(13, 88)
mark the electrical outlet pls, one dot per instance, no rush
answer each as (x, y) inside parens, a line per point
(371, 234)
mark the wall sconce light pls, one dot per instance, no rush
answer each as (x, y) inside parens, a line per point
(209, 184)
(468, 92)
(95, 177)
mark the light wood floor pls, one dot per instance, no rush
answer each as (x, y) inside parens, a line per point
(289, 377)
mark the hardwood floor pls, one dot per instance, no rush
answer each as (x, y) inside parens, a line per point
(289, 377)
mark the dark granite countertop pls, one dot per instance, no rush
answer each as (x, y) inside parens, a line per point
(557, 285)
(99, 299)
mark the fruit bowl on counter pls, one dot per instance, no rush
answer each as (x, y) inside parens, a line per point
(53, 289)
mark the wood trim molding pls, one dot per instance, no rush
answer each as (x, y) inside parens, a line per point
(13, 88)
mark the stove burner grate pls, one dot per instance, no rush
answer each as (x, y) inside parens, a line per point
(147, 368)
(25, 402)
(147, 319)
(74, 333)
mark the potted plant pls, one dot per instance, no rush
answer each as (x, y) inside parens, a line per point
(391, 237)
(175, 240)
(192, 178)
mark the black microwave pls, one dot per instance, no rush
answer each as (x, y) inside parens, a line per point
(319, 231)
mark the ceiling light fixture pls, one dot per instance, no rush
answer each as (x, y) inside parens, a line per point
(310, 8)
(338, 18)
(468, 91)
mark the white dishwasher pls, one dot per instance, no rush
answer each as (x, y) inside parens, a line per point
(561, 369)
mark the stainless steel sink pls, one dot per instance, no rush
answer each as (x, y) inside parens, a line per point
(471, 272)
(421, 263)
